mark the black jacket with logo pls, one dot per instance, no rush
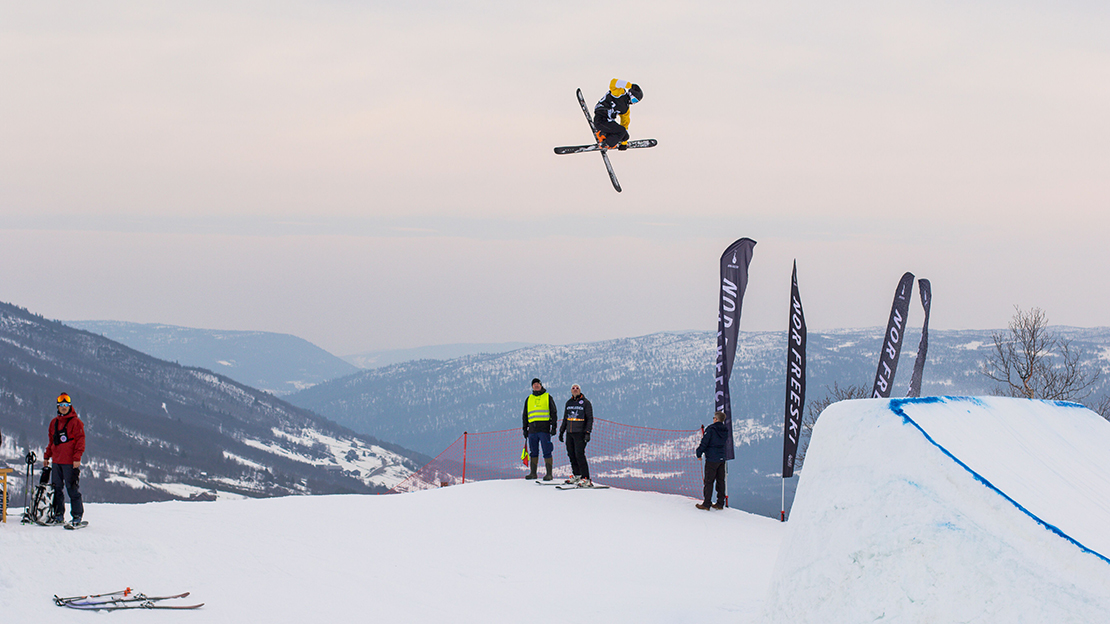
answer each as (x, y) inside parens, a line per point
(578, 416)
(612, 109)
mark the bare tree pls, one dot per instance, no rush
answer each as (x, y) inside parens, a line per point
(1102, 407)
(1034, 362)
(814, 409)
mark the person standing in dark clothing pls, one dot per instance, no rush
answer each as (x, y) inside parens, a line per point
(66, 446)
(713, 445)
(578, 423)
(539, 420)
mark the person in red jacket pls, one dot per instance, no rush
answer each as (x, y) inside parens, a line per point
(67, 445)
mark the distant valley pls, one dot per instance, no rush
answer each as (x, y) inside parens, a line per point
(158, 430)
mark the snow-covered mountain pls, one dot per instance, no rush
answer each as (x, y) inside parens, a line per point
(157, 430)
(385, 357)
(277, 363)
(663, 380)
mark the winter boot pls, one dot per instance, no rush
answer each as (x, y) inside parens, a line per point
(573, 480)
(547, 463)
(718, 506)
(702, 506)
(533, 463)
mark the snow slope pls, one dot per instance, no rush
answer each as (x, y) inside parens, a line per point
(915, 510)
(496, 551)
(949, 510)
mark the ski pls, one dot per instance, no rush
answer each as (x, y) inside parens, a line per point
(579, 487)
(578, 149)
(593, 132)
(107, 602)
(123, 592)
(137, 605)
(108, 599)
(551, 482)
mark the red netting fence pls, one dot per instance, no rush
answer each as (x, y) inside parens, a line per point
(623, 456)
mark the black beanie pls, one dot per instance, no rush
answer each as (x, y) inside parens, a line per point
(536, 380)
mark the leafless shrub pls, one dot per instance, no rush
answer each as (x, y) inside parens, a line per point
(1035, 362)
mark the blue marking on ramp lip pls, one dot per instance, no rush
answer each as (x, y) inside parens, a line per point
(896, 407)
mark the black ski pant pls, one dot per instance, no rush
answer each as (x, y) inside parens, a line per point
(714, 473)
(65, 475)
(613, 131)
(576, 451)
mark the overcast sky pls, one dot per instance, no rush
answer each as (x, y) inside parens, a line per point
(373, 175)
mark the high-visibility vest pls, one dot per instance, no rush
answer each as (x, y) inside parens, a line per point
(539, 407)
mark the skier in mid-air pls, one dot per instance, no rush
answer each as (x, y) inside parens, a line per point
(611, 114)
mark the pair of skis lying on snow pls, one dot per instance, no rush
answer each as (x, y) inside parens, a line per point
(598, 147)
(559, 485)
(122, 599)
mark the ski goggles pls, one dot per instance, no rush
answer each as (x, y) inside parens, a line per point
(63, 399)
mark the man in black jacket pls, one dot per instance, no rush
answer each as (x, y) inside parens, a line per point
(713, 445)
(539, 420)
(578, 423)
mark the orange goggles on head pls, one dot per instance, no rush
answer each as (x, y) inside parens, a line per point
(63, 399)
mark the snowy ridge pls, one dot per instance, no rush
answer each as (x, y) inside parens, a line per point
(157, 430)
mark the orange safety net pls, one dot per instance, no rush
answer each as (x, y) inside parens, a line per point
(622, 456)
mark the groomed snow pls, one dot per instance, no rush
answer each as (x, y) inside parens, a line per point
(931, 510)
(887, 526)
(496, 551)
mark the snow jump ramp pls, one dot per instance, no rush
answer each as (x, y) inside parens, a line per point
(949, 509)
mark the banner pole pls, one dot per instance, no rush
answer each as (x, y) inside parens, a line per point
(782, 514)
(464, 457)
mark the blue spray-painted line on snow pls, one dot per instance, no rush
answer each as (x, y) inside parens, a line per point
(896, 407)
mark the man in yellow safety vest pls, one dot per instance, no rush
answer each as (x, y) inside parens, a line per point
(539, 420)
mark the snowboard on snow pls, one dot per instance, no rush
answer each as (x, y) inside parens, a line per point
(567, 486)
(598, 147)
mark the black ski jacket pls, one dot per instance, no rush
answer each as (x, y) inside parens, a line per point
(613, 109)
(713, 443)
(578, 416)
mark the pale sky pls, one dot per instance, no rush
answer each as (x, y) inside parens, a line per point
(374, 175)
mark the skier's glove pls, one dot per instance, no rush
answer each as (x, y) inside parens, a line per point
(622, 147)
(560, 437)
(525, 434)
(587, 437)
(76, 475)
